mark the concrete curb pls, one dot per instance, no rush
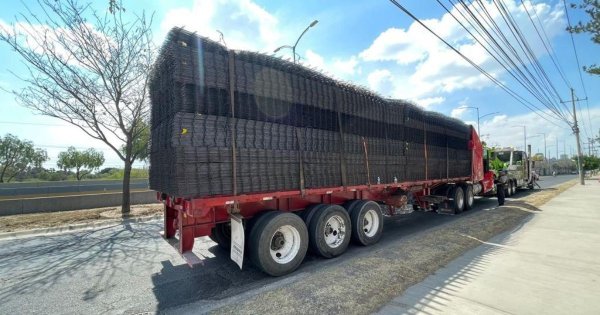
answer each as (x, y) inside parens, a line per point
(76, 227)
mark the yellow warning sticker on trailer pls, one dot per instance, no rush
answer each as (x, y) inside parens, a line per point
(237, 239)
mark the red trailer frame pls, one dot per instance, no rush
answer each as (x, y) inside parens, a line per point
(196, 217)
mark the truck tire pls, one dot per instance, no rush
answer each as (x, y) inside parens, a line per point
(515, 188)
(458, 199)
(221, 234)
(366, 220)
(310, 211)
(329, 231)
(351, 204)
(469, 197)
(278, 243)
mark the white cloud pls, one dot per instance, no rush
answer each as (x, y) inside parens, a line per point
(314, 59)
(245, 24)
(429, 101)
(436, 70)
(380, 81)
(336, 67)
(346, 67)
(503, 130)
(457, 112)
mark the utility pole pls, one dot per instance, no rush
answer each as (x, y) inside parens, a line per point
(545, 152)
(576, 131)
(557, 148)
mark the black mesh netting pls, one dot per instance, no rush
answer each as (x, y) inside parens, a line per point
(289, 128)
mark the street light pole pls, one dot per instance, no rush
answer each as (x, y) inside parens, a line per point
(313, 23)
(479, 117)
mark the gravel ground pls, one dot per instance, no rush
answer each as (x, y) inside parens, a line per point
(362, 284)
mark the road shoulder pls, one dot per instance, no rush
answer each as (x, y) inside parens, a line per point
(547, 266)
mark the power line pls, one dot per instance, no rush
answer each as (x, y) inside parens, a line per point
(530, 83)
(548, 47)
(491, 42)
(496, 81)
(526, 48)
(577, 60)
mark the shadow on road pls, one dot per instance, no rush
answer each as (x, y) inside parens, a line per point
(32, 266)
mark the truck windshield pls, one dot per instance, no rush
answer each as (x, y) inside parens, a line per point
(503, 156)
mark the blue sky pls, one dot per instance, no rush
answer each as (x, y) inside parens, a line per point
(369, 43)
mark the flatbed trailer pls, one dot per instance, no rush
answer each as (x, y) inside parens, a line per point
(275, 229)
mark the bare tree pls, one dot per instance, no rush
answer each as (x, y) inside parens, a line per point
(87, 68)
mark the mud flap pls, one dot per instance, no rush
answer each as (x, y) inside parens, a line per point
(237, 239)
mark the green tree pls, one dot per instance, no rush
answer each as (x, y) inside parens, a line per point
(592, 8)
(83, 162)
(18, 156)
(590, 163)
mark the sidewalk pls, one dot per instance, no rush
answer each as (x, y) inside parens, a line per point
(549, 265)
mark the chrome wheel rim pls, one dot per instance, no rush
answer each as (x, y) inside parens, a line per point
(471, 197)
(334, 231)
(460, 201)
(371, 223)
(285, 244)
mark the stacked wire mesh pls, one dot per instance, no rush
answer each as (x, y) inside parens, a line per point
(288, 127)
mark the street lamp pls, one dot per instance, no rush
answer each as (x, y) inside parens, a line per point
(479, 117)
(293, 48)
(489, 114)
(524, 136)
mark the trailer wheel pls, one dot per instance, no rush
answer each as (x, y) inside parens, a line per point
(458, 198)
(278, 243)
(469, 197)
(367, 223)
(221, 234)
(350, 205)
(310, 211)
(329, 231)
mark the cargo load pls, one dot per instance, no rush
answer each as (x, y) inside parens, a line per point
(229, 122)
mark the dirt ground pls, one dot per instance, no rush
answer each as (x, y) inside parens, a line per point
(63, 218)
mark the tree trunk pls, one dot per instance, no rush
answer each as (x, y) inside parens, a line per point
(126, 203)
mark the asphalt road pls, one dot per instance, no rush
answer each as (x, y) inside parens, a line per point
(131, 269)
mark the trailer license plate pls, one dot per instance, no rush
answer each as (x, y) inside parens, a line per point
(237, 239)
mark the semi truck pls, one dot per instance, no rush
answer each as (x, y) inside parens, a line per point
(271, 159)
(519, 168)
